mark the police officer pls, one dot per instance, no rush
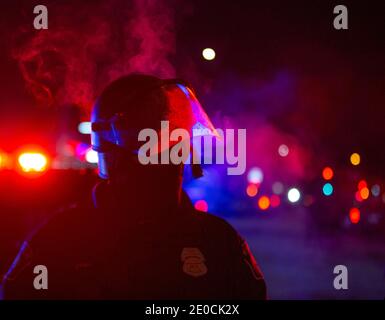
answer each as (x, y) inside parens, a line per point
(138, 236)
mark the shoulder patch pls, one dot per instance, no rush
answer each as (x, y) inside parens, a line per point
(193, 262)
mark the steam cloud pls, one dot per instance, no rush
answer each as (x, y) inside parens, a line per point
(89, 44)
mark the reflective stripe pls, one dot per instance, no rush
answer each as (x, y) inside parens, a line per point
(21, 261)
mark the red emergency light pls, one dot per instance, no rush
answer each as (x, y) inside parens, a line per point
(33, 162)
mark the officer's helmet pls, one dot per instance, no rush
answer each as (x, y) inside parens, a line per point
(136, 102)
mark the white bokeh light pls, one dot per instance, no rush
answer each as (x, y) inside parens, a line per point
(208, 54)
(91, 156)
(293, 195)
(84, 127)
(255, 175)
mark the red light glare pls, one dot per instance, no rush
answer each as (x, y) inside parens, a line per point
(327, 173)
(275, 201)
(358, 197)
(201, 205)
(362, 184)
(354, 215)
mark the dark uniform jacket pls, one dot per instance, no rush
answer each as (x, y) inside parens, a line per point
(186, 255)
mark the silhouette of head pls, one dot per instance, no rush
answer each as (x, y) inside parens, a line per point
(129, 105)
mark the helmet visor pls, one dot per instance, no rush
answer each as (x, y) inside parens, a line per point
(182, 111)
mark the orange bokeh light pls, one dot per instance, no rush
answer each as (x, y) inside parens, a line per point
(264, 203)
(3, 160)
(355, 159)
(252, 190)
(364, 193)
